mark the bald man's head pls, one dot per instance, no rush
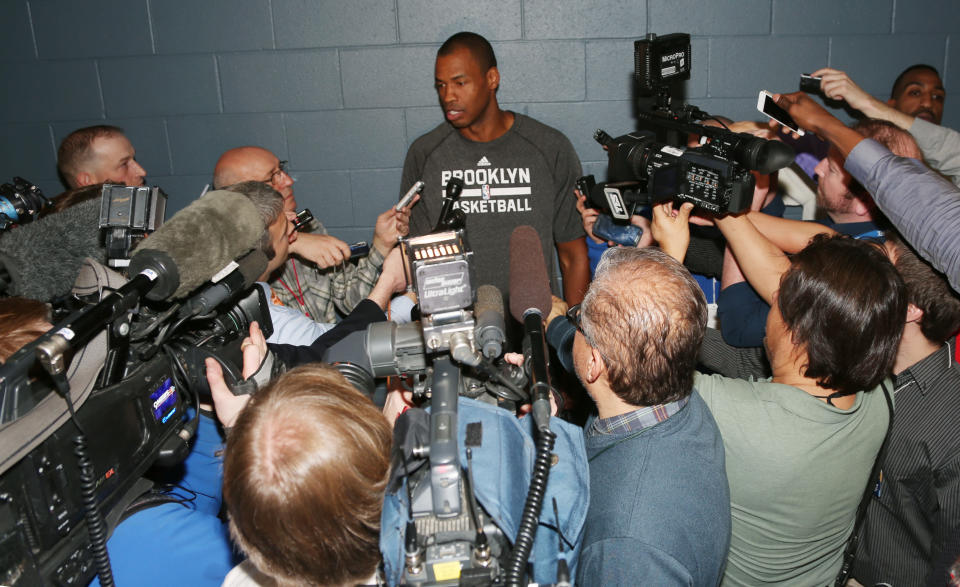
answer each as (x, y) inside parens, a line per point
(254, 164)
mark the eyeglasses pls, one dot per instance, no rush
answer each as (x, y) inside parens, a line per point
(573, 315)
(275, 174)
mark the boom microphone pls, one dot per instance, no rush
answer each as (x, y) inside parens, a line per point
(529, 284)
(490, 329)
(530, 303)
(42, 259)
(198, 242)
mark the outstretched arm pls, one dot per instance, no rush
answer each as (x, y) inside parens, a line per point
(762, 262)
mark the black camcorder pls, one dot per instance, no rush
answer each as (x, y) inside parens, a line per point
(644, 170)
(64, 468)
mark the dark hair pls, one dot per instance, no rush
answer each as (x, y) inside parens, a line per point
(77, 148)
(476, 44)
(928, 290)
(900, 82)
(22, 320)
(72, 197)
(844, 303)
(646, 316)
(269, 204)
(304, 476)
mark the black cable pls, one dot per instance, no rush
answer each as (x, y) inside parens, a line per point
(531, 508)
(88, 499)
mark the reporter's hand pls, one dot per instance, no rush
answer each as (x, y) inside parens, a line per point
(390, 226)
(517, 359)
(321, 249)
(226, 405)
(646, 239)
(392, 279)
(588, 216)
(804, 110)
(396, 403)
(671, 228)
(837, 85)
(558, 309)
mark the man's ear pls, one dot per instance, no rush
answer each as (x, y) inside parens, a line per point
(493, 78)
(596, 367)
(914, 314)
(860, 207)
(83, 179)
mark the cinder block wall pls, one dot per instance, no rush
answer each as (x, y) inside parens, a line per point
(341, 88)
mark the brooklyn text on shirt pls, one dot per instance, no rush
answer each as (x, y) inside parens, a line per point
(488, 189)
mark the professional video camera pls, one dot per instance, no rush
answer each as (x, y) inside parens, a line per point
(76, 440)
(20, 202)
(451, 535)
(645, 170)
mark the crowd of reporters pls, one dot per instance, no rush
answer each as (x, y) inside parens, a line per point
(737, 457)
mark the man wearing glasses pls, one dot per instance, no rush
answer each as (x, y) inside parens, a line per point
(325, 283)
(659, 508)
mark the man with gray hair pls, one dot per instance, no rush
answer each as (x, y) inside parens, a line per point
(659, 501)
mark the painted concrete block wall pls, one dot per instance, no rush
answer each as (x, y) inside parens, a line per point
(342, 87)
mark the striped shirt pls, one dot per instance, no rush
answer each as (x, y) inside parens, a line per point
(912, 530)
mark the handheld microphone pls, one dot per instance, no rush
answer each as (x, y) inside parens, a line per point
(41, 260)
(490, 332)
(449, 216)
(530, 303)
(198, 242)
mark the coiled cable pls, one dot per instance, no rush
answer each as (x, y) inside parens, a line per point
(531, 508)
(88, 499)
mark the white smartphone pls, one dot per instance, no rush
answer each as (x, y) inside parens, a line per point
(405, 200)
(769, 106)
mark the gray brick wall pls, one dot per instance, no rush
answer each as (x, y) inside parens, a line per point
(341, 88)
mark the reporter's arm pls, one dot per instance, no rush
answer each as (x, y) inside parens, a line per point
(940, 147)
(790, 236)
(761, 261)
(923, 206)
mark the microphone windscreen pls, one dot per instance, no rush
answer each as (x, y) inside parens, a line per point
(488, 298)
(44, 257)
(529, 283)
(200, 240)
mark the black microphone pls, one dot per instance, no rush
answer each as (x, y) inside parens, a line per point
(42, 259)
(248, 269)
(197, 243)
(448, 215)
(490, 331)
(530, 303)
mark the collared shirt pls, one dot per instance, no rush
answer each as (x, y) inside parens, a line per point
(322, 293)
(912, 531)
(636, 420)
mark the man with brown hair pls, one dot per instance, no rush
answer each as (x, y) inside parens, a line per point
(305, 473)
(98, 154)
(911, 534)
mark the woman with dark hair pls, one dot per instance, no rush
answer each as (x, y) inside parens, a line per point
(801, 445)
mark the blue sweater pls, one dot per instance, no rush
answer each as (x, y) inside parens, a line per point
(659, 504)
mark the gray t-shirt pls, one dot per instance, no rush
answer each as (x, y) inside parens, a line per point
(526, 176)
(797, 469)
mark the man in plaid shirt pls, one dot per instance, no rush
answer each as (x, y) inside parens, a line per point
(316, 278)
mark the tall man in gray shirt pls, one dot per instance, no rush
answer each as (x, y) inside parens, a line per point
(515, 170)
